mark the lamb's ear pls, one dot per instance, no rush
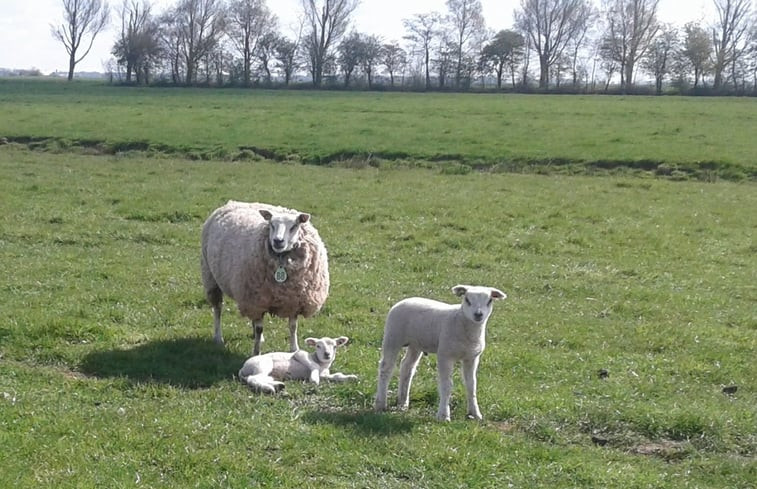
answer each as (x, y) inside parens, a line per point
(459, 290)
(342, 340)
(303, 218)
(497, 294)
(266, 214)
(310, 341)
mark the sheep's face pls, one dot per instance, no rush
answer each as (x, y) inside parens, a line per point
(284, 230)
(477, 301)
(325, 348)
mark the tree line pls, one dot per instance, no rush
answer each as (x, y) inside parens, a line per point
(558, 45)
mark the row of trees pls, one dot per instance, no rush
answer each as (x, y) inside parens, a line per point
(559, 43)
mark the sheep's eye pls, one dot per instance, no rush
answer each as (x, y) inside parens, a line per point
(490, 302)
(293, 228)
(467, 301)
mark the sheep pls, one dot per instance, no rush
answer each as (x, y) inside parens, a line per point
(265, 373)
(268, 259)
(454, 333)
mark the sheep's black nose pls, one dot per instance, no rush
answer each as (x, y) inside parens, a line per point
(278, 243)
(478, 315)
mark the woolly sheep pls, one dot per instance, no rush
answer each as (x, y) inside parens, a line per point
(454, 332)
(265, 373)
(268, 259)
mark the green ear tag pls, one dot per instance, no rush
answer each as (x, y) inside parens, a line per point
(281, 275)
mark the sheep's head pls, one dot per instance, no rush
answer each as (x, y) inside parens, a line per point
(325, 348)
(477, 301)
(284, 229)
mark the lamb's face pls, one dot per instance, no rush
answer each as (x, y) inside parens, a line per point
(325, 348)
(284, 232)
(477, 301)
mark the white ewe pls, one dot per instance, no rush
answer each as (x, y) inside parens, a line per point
(265, 373)
(268, 259)
(454, 332)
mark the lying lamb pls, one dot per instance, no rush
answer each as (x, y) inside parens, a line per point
(268, 259)
(265, 373)
(454, 333)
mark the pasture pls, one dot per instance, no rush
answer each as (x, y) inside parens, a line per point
(624, 355)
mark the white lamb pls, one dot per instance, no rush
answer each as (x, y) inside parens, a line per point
(454, 332)
(266, 373)
(268, 259)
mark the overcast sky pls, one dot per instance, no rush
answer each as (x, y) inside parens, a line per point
(27, 42)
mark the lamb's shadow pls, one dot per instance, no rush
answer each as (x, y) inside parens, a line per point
(187, 363)
(367, 423)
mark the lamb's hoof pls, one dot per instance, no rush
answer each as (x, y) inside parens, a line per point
(278, 387)
(475, 416)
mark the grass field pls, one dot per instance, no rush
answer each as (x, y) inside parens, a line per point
(109, 376)
(682, 137)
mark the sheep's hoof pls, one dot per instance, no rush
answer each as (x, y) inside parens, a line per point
(475, 416)
(278, 386)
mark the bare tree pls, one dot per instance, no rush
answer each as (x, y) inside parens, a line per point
(328, 21)
(80, 18)
(697, 50)
(200, 24)
(371, 52)
(249, 22)
(728, 35)
(350, 54)
(422, 29)
(285, 52)
(659, 60)
(631, 28)
(549, 25)
(467, 19)
(137, 47)
(394, 58)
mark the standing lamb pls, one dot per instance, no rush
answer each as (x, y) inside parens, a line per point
(265, 373)
(454, 332)
(268, 259)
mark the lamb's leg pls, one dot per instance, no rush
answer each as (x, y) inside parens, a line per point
(293, 346)
(337, 376)
(257, 331)
(444, 367)
(407, 370)
(469, 378)
(386, 367)
(304, 358)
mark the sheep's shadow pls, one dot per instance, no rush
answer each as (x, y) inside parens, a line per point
(190, 363)
(367, 423)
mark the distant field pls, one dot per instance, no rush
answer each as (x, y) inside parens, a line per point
(109, 377)
(679, 137)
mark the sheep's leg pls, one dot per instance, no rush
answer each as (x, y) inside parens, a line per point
(386, 367)
(444, 367)
(257, 331)
(293, 346)
(407, 370)
(215, 299)
(470, 366)
(217, 335)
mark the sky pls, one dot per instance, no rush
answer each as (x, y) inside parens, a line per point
(27, 42)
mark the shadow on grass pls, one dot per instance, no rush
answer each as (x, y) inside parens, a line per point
(191, 363)
(367, 423)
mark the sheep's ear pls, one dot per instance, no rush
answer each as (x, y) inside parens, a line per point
(266, 214)
(303, 218)
(459, 290)
(342, 340)
(310, 341)
(497, 294)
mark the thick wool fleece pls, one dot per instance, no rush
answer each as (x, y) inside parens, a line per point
(237, 257)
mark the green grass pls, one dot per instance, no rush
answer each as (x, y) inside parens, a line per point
(679, 137)
(109, 376)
